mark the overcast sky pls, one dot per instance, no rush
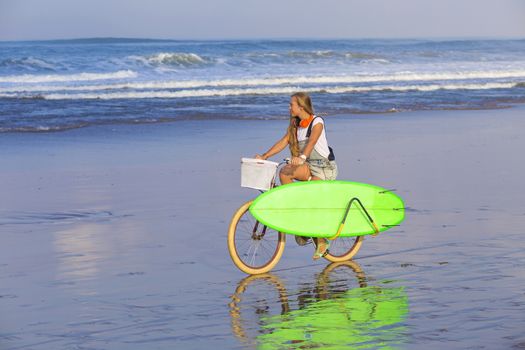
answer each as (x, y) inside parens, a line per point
(232, 19)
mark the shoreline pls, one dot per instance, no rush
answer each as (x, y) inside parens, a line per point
(356, 115)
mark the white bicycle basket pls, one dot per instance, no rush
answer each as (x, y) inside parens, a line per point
(257, 173)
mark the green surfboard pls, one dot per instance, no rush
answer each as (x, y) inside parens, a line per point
(317, 208)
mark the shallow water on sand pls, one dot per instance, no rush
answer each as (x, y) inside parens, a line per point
(110, 244)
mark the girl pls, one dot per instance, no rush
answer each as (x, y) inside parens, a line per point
(312, 159)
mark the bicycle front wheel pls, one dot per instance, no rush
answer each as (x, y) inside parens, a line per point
(254, 248)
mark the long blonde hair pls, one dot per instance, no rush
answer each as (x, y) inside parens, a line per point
(304, 101)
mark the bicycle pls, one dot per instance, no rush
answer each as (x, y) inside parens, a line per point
(255, 248)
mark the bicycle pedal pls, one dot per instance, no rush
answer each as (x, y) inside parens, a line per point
(300, 240)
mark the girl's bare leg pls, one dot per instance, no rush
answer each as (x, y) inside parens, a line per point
(294, 172)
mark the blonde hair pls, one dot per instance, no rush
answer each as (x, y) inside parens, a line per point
(304, 101)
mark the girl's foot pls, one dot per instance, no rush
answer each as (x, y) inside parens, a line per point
(322, 246)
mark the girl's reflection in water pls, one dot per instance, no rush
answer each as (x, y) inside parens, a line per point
(340, 308)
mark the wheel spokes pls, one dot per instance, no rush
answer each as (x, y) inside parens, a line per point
(255, 243)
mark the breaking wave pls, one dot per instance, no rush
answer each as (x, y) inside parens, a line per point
(27, 63)
(179, 59)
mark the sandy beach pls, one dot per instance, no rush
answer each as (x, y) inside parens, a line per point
(115, 238)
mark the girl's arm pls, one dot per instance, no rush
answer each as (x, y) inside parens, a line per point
(278, 147)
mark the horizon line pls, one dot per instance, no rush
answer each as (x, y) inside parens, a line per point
(123, 38)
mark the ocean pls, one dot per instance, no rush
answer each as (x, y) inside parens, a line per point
(59, 85)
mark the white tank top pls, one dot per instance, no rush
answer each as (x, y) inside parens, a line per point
(322, 144)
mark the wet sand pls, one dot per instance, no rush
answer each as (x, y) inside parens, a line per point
(115, 238)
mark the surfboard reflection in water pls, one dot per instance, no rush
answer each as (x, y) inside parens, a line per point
(337, 310)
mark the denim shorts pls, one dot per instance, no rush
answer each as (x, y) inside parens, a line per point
(323, 168)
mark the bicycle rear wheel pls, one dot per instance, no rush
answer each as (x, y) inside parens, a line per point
(254, 248)
(343, 248)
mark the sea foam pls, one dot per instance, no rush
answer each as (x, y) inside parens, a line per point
(186, 93)
(321, 81)
(49, 78)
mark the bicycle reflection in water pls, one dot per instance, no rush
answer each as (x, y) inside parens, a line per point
(337, 311)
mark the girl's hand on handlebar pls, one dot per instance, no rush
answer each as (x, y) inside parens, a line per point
(258, 156)
(297, 161)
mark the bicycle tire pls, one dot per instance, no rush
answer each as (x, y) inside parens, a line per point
(253, 247)
(344, 248)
